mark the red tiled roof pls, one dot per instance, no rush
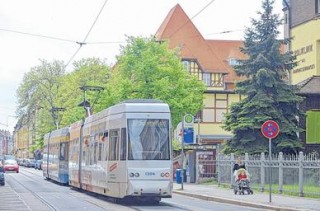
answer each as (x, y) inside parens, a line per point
(180, 32)
(227, 49)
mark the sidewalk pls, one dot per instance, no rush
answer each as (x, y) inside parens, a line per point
(257, 200)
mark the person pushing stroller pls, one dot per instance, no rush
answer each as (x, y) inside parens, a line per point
(242, 179)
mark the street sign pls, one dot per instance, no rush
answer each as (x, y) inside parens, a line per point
(188, 121)
(188, 136)
(270, 129)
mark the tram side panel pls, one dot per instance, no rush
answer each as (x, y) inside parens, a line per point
(75, 154)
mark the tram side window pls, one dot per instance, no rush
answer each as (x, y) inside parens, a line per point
(95, 152)
(100, 152)
(104, 138)
(114, 145)
(123, 149)
(63, 151)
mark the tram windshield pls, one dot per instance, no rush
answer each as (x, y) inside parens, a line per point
(148, 139)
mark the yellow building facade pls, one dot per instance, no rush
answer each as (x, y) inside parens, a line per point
(306, 48)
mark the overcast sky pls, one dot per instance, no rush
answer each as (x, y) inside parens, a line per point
(69, 21)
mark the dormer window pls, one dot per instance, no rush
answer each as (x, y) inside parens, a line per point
(193, 68)
(213, 79)
(233, 61)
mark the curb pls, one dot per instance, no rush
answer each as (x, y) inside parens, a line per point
(236, 202)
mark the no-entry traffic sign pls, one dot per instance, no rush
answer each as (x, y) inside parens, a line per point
(270, 129)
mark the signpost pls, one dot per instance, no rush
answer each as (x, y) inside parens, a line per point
(270, 129)
(186, 138)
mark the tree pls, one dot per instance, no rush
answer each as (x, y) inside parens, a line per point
(36, 95)
(267, 95)
(148, 69)
(87, 72)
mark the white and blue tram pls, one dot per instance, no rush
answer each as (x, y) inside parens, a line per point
(123, 151)
(55, 156)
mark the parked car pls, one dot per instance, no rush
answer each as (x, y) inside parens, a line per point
(30, 163)
(2, 178)
(11, 165)
(38, 164)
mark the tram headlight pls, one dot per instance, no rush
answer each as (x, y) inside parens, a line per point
(165, 174)
(134, 174)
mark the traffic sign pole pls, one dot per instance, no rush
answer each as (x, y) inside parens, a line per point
(270, 170)
(270, 129)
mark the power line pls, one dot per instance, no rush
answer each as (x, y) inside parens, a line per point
(37, 35)
(198, 13)
(87, 35)
(60, 39)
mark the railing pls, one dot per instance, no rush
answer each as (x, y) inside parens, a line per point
(295, 174)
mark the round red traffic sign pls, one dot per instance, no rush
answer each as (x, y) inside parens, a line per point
(270, 129)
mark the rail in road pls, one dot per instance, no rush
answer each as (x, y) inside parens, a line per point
(28, 190)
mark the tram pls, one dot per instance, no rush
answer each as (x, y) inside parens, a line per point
(55, 157)
(122, 152)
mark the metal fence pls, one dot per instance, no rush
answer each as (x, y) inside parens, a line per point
(295, 174)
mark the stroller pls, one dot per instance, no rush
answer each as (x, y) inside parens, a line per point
(242, 181)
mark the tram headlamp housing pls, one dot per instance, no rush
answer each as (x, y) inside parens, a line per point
(134, 174)
(165, 174)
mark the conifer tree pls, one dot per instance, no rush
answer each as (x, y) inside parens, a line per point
(266, 95)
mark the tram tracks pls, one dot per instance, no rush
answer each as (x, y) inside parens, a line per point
(30, 191)
(103, 202)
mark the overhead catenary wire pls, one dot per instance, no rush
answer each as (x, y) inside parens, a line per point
(37, 35)
(87, 35)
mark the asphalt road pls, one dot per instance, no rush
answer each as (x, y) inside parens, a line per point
(28, 190)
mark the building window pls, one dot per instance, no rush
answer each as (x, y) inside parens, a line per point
(186, 65)
(217, 79)
(208, 115)
(207, 79)
(213, 79)
(317, 6)
(217, 112)
(193, 68)
(233, 61)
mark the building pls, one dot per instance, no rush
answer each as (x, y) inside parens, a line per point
(211, 61)
(6, 142)
(302, 24)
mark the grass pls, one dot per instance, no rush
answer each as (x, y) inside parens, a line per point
(309, 191)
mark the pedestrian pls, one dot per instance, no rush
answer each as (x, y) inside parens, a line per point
(238, 165)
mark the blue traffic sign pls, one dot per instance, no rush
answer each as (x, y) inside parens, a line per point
(188, 136)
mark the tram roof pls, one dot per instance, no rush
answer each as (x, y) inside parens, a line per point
(133, 106)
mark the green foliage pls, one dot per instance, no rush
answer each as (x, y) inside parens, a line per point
(37, 94)
(88, 72)
(268, 96)
(148, 69)
(176, 145)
